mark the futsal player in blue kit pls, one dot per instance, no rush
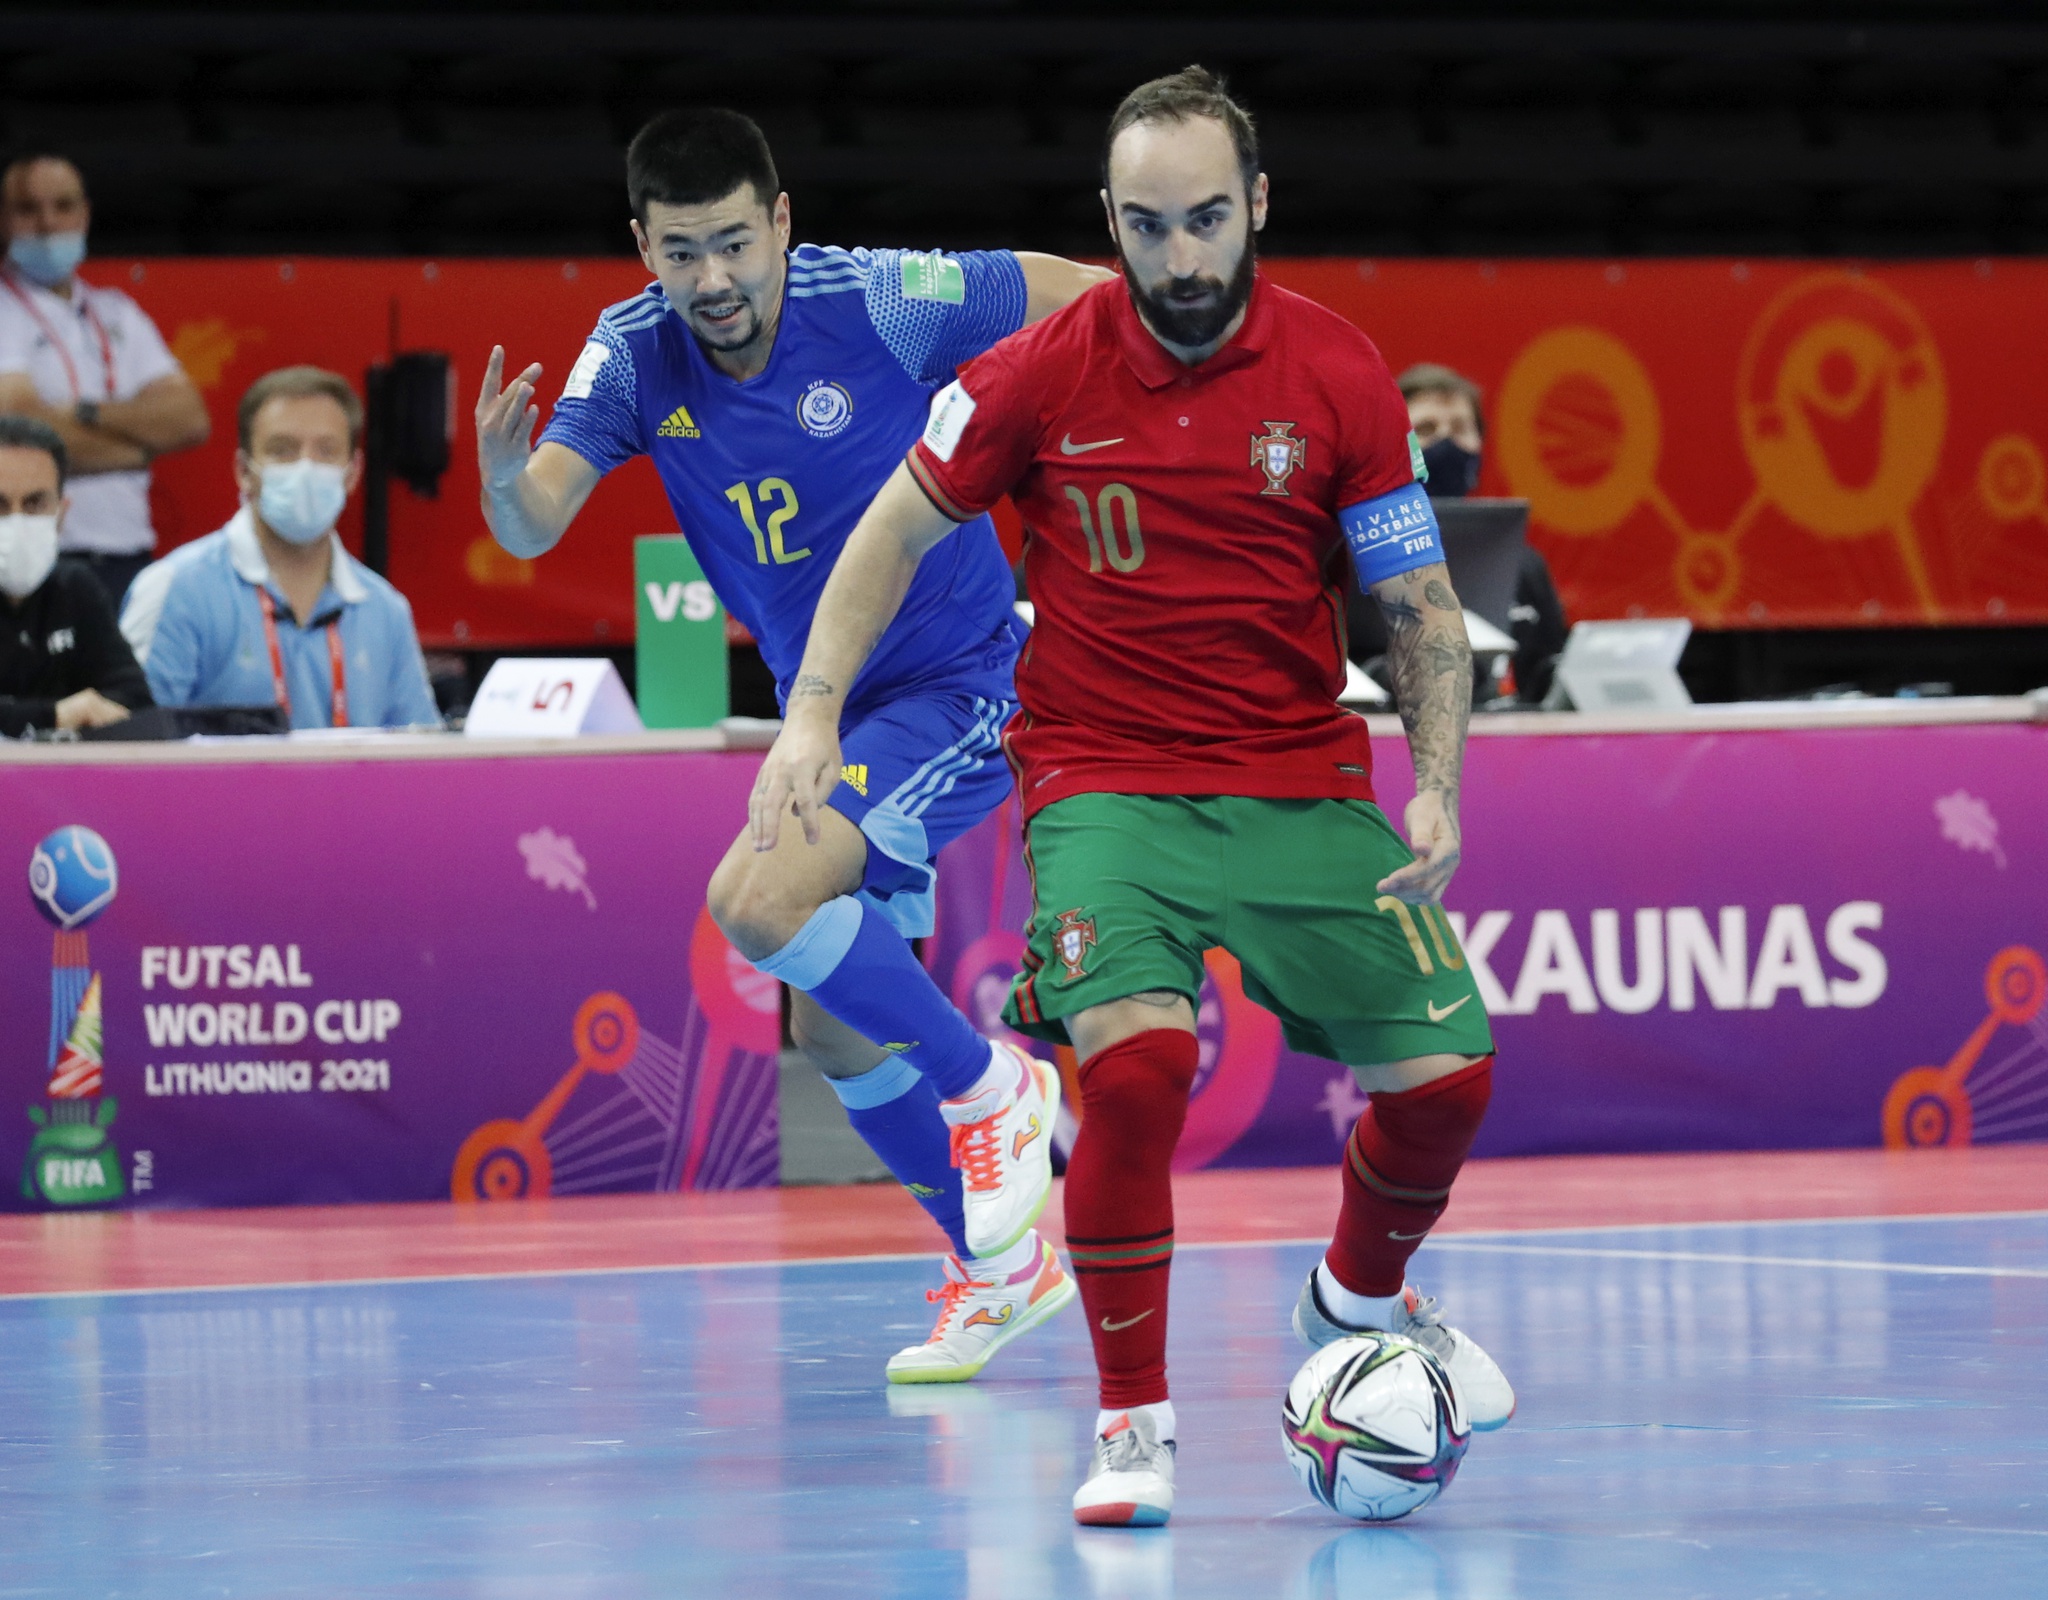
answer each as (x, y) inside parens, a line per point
(775, 390)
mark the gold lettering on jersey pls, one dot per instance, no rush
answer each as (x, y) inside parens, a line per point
(1277, 453)
(678, 424)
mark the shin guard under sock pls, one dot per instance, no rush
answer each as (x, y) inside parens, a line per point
(850, 960)
(896, 1111)
(1399, 1165)
(1119, 1200)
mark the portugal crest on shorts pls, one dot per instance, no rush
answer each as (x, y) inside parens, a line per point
(1072, 940)
(1277, 453)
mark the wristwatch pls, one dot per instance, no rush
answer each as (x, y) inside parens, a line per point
(87, 412)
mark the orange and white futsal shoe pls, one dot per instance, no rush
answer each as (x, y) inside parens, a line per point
(1002, 1144)
(1131, 1483)
(978, 1317)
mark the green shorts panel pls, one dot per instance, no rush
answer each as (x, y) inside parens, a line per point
(1130, 890)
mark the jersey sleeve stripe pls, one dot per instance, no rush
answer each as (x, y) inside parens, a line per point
(946, 504)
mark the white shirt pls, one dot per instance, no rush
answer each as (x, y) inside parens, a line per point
(98, 345)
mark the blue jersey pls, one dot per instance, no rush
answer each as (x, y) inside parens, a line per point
(768, 476)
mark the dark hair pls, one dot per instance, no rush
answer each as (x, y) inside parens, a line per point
(1427, 377)
(298, 383)
(1183, 96)
(690, 158)
(26, 433)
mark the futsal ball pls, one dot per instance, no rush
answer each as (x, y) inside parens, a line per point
(72, 876)
(1373, 1427)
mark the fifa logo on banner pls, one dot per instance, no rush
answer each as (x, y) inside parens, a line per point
(71, 1160)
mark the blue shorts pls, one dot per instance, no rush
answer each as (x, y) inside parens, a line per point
(918, 773)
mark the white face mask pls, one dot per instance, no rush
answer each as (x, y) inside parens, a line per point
(301, 499)
(28, 550)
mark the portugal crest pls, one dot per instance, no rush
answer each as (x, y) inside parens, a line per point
(1277, 453)
(1072, 940)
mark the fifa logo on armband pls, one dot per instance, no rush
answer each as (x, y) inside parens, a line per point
(1277, 453)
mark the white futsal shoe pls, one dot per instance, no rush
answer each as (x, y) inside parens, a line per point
(1002, 1144)
(978, 1317)
(1489, 1401)
(1131, 1483)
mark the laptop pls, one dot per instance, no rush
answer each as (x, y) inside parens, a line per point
(1625, 666)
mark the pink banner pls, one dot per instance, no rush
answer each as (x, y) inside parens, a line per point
(237, 984)
(1787, 938)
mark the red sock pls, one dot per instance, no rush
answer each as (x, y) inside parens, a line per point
(1399, 1165)
(1134, 1098)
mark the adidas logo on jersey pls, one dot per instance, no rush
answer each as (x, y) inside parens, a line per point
(855, 778)
(679, 424)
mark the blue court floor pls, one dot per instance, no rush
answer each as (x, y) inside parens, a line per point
(1799, 1409)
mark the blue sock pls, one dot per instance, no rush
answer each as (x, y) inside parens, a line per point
(897, 1112)
(860, 969)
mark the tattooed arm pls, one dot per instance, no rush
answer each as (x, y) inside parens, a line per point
(1430, 661)
(861, 599)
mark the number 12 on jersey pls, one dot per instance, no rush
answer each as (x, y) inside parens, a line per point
(771, 490)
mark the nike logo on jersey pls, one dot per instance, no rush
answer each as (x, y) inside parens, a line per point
(1128, 1322)
(1405, 1237)
(1024, 1136)
(1436, 1015)
(678, 424)
(1069, 448)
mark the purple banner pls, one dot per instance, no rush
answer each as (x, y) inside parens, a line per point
(1791, 938)
(240, 983)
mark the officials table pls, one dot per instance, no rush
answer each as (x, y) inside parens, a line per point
(406, 966)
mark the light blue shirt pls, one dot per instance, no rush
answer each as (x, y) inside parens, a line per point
(195, 622)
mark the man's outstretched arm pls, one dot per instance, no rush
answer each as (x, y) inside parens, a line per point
(529, 496)
(861, 599)
(1053, 281)
(1430, 661)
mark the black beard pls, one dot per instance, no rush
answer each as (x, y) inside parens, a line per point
(1191, 328)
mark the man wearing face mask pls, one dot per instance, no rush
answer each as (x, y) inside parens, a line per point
(1445, 416)
(270, 609)
(89, 362)
(63, 662)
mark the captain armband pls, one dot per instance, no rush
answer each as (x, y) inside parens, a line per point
(1393, 534)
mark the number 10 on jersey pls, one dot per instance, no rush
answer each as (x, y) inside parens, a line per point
(773, 492)
(1124, 546)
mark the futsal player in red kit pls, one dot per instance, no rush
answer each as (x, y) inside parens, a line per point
(1191, 451)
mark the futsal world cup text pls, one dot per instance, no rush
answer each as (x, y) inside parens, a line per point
(208, 1024)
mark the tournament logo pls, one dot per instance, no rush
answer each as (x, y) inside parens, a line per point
(1072, 940)
(824, 409)
(71, 1159)
(1277, 453)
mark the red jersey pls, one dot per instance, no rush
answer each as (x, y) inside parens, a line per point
(1181, 542)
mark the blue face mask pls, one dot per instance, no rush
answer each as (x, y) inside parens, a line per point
(49, 258)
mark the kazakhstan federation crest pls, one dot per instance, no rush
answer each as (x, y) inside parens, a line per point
(825, 409)
(1277, 453)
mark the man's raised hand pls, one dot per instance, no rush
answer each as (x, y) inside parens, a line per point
(505, 420)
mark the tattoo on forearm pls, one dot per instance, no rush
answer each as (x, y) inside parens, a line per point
(1430, 663)
(809, 686)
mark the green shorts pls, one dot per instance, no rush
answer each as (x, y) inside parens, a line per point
(1129, 890)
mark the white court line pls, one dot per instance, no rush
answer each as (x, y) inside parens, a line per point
(1917, 1268)
(1478, 1239)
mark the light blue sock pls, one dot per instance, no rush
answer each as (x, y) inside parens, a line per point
(860, 969)
(896, 1111)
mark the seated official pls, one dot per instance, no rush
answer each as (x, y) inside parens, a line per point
(1449, 425)
(270, 609)
(63, 662)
